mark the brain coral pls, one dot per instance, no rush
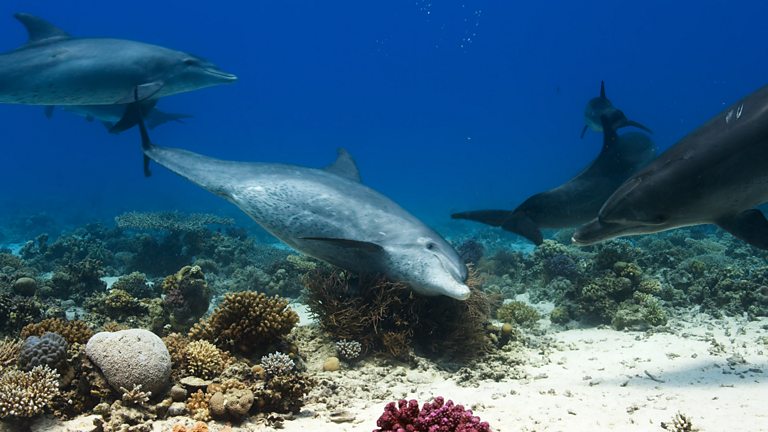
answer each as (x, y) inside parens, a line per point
(50, 349)
(27, 394)
(247, 321)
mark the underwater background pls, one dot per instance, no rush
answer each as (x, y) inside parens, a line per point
(446, 106)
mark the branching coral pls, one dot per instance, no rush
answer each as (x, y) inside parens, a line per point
(247, 322)
(203, 359)
(74, 331)
(27, 394)
(9, 352)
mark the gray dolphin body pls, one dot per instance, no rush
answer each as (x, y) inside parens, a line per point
(715, 175)
(328, 214)
(53, 68)
(110, 115)
(578, 200)
(601, 106)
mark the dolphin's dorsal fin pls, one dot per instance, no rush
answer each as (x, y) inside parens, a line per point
(344, 166)
(40, 30)
(602, 90)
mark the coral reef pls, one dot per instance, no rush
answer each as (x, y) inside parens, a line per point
(471, 251)
(74, 331)
(136, 285)
(282, 393)
(27, 394)
(78, 279)
(17, 312)
(169, 221)
(519, 313)
(436, 416)
(186, 296)
(50, 350)
(247, 322)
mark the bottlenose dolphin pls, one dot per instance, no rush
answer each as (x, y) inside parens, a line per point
(578, 200)
(53, 68)
(328, 214)
(717, 174)
(601, 106)
(110, 115)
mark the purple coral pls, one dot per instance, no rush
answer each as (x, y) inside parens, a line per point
(437, 416)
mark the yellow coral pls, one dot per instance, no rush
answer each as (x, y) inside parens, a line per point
(203, 360)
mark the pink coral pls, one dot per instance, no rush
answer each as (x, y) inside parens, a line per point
(437, 416)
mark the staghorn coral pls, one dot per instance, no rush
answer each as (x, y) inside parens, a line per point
(203, 359)
(186, 296)
(74, 331)
(247, 322)
(49, 349)
(135, 396)
(27, 394)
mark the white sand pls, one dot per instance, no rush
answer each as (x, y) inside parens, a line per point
(713, 371)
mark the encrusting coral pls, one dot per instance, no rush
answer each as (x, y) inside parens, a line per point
(248, 322)
(27, 394)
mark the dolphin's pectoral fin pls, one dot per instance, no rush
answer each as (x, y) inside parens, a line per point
(134, 112)
(749, 225)
(40, 30)
(584, 131)
(142, 92)
(637, 125)
(344, 166)
(49, 111)
(362, 246)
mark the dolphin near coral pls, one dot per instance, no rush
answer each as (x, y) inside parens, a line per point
(328, 214)
(54, 68)
(578, 200)
(601, 106)
(717, 174)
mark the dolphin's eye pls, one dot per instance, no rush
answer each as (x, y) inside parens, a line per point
(431, 246)
(191, 62)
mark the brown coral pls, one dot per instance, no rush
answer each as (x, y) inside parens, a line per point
(198, 406)
(248, 322)
(9, 352)
(75, 331)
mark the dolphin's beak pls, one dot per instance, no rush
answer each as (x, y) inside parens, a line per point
(597, 231)
(222, 76)
(458, 291)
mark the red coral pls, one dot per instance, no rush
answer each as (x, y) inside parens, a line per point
(437, 416)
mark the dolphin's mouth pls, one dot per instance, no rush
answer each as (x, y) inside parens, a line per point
(597, 231)
(220, 74)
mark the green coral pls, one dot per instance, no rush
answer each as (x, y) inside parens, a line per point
(519, 313)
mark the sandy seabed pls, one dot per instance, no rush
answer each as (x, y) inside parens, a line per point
(715, 371)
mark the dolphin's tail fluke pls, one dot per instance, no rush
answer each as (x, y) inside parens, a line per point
(511, 221)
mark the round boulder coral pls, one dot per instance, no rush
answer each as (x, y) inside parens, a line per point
(128, 358)
(50, 349)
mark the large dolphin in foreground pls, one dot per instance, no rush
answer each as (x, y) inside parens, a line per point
(601, 106)
(53, 68)
(330, 215)
(578, 200)
(717, 174)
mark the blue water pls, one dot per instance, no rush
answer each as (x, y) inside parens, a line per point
(446, 106)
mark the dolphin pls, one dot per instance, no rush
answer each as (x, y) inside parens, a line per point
(328, 214)
(600, 106)
(578, 200)
(110, 115)
(717, 174)
(53, 68)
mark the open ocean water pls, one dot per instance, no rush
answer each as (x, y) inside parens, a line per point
(446, 106)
